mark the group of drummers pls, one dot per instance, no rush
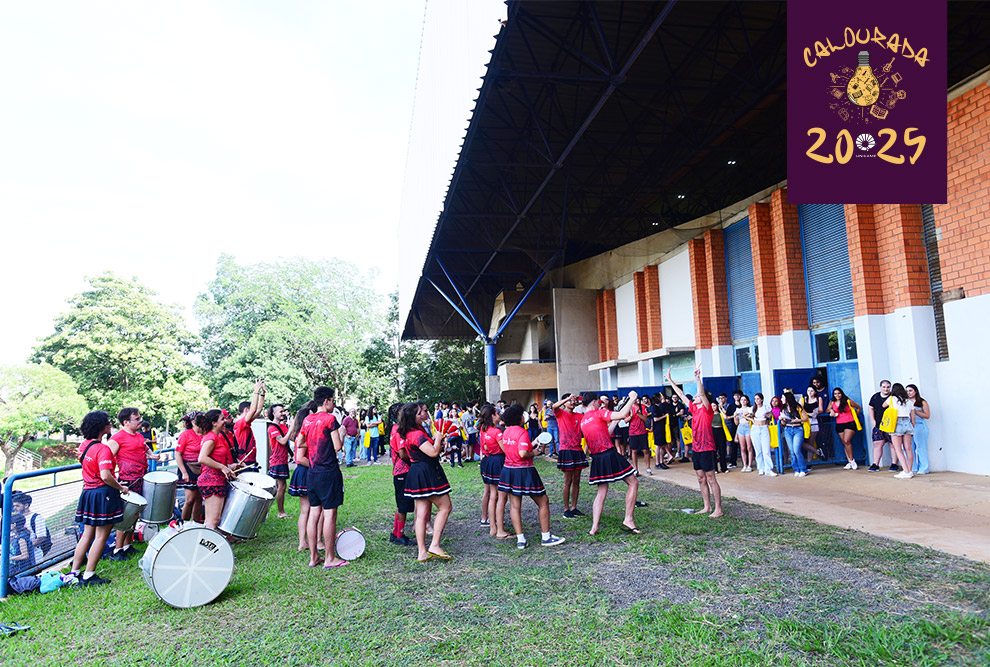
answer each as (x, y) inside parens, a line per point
(214, 447)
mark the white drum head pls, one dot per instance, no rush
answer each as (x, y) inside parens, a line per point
(252, 490)
(161, 477)
(258, 479)
(135, 498)
(350, 544)
(544, 438)
(191, 568)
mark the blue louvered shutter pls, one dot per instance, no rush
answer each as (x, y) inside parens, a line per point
(739, 273)
(826, 262)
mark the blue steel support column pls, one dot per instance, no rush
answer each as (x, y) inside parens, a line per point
(470, 323)
(491, 366)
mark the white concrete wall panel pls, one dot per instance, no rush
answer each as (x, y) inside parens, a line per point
(575, 339)
(795, 348)
(629, 375)
(625, 320)
(676, 305)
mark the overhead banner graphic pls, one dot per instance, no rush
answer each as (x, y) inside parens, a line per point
(866, 102)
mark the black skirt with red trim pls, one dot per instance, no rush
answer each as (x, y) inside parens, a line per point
(608, 467)
(425, 479)
(571, 459)
(99, 506)
(523, 481)
(491, 468)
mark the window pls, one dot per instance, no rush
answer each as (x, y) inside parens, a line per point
(747, 358)
(838, 344)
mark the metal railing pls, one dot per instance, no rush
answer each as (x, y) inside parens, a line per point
(64, 537)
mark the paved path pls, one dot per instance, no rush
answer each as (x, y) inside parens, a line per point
(947, 511)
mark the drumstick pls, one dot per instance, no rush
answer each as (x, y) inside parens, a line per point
(243, 458)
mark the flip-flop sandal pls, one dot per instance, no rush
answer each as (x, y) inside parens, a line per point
(634, 531)
(440, 556)
(340, 564)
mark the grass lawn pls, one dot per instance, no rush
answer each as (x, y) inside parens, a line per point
(754, 588)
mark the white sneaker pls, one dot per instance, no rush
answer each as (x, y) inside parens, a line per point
(771, 473)
(853, 464)
(902, 475)
(759, 472)
(747, 469)
(848, 466)
(649, 472)
(800, 474)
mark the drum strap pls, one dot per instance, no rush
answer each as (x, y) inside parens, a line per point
(86, 451)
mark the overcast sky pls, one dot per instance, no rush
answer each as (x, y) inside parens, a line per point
(148, 138)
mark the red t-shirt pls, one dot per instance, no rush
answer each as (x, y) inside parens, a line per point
(99, 457)
(514, 439)
(188, 445)
(221, 450)
(302, 429)
(569, 425)
(412, 443)
(594, 428)
(319, 440)
(489, 441)
(245, 441)
(637, 426)
(278, 454)
(395, 444)
(701, 428)
(132, 456)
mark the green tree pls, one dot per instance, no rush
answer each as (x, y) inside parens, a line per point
(123, 347)
(443, 370)
(295, 323)
(34, 398)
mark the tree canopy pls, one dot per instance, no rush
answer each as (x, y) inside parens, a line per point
(123, 347)
(34, 398)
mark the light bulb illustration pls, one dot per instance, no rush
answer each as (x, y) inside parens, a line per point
(863, 88)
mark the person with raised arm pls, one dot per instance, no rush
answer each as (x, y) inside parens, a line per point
(607, 465)
(703, 442)
(570, 457)
(248, 410)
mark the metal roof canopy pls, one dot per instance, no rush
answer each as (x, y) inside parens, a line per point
(600, 123)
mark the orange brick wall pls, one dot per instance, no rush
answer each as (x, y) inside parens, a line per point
(697, 256)
(901, 252)
(608, 333)
(654, 330)
(964, 221)
(642, 335)
(864, 260)
(764, 270)
(788, 263)
(718, 289)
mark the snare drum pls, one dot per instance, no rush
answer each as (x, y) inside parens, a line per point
(260, 480)
(134, 504)
(350, 543)
(188, 567)
(244, 510)
(159, 491)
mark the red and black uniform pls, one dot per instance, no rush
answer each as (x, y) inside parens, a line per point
(99, 504)
(326, 484)
(702, 436)
(246, 444)
(425, 477)
(278, 454)
(519, 477)
(188, 448)
(299, 484)
(606, 464)
(638, 439)
(400, 469)
(212, 482)
(570, 456)
(132, 460)
(493, 457)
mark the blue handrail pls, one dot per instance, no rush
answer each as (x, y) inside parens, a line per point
(8, 507)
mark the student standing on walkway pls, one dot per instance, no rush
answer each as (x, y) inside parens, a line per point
(880, 438)
(900, 439)
(845, 423)
(703, 443)
(922, 413)
(761, 436)
(793, 418)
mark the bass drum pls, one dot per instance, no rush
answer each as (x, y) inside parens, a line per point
(188, 567)
(350, 543)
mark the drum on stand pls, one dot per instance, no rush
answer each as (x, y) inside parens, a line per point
(187, 567)
(134, 504)
(350, 543)
(244, 510)
(159, 491)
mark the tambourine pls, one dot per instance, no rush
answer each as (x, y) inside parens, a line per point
(542, 440)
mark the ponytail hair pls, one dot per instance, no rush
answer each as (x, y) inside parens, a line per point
(297, 422)
(407, 418)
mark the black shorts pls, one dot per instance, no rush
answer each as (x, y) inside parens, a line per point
(639, 442)
(847, 426)
(326, 488)
(703, 461)
(878, 435)
(403, 504)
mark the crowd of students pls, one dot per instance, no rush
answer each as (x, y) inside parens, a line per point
(611, 437)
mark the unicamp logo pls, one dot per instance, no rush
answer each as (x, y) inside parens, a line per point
(865, 142)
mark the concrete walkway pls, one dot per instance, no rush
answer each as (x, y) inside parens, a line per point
(947, 511)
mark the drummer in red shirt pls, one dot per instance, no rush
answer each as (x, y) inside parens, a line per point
(278, 454)
(218, 466)
(189, 468)
(703, 446)
(132, 454)
(606, 464)
(325, 482)
(99, 505)
(242, 427)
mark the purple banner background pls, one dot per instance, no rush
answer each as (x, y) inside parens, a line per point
(915, 97)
